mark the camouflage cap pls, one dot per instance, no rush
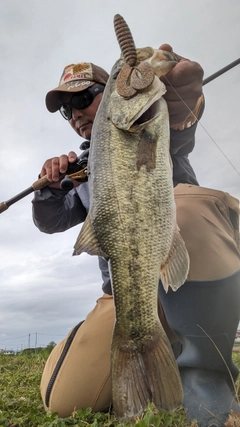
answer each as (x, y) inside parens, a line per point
(75, 78)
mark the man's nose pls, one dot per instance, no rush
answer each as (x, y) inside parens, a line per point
(76, 113)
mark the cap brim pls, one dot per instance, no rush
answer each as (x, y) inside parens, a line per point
(53, 98)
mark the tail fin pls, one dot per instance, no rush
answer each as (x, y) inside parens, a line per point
(143, 375)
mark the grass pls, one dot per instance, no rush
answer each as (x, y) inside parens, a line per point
(21, 404)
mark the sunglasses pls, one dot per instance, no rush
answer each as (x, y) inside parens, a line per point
(80, 100)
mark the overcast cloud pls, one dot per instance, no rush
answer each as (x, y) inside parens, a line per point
(44, 290)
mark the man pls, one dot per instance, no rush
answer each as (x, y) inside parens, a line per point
(77, 372)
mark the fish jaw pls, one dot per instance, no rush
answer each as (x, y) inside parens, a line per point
(125, 112)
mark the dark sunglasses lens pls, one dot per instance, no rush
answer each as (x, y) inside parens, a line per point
(82, 100)
(66, 111)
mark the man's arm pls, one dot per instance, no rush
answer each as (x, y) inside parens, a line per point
(185, 105)
(56, 210)
(181, 144)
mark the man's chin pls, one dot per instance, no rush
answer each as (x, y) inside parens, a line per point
(85, 132)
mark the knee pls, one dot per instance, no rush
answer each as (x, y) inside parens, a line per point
(77, 372)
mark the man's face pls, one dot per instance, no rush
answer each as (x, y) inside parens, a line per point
(82, 120)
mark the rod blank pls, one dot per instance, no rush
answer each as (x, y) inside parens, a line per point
(222, 71)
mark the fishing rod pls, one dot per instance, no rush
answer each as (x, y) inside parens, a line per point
(37, 185)
(81, 174)
(76, 171)
(222, 71)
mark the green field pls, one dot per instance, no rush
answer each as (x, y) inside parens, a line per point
(21, 405)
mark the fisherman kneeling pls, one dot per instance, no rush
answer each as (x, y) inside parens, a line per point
(77, 373)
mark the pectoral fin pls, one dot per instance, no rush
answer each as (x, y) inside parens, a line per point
(175, 270)
(87, 241)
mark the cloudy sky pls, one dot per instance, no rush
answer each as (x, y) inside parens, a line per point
(44, 291)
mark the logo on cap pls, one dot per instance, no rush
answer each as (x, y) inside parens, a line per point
(82, 71)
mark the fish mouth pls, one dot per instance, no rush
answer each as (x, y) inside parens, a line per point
(129, 114)
(132, 116)
(147, 115)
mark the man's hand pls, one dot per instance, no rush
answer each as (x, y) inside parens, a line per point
(186, 78)
(56, 167)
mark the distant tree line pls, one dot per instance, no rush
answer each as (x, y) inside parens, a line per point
(49, 347)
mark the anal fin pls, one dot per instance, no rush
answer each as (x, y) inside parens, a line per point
(175, 270)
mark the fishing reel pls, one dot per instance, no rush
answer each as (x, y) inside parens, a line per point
(74, 168)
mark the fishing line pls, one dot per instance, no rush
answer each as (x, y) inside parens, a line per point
(198, 121)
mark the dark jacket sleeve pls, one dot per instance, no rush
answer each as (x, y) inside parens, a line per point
(56, 211)
(182, 143)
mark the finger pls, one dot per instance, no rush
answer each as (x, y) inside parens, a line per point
(62, 163)
(166, 46)
(72, 157)
(43, 172)
(53, 170)
(188, 91)
(185, 73)
(47, 169)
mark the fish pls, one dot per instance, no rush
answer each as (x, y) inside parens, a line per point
(132, 224)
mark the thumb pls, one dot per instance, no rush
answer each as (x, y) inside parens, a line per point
(168, 47)
(72, 157)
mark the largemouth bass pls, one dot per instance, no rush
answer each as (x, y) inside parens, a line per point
(132, 223)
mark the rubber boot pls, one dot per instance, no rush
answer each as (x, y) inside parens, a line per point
(205, 317)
